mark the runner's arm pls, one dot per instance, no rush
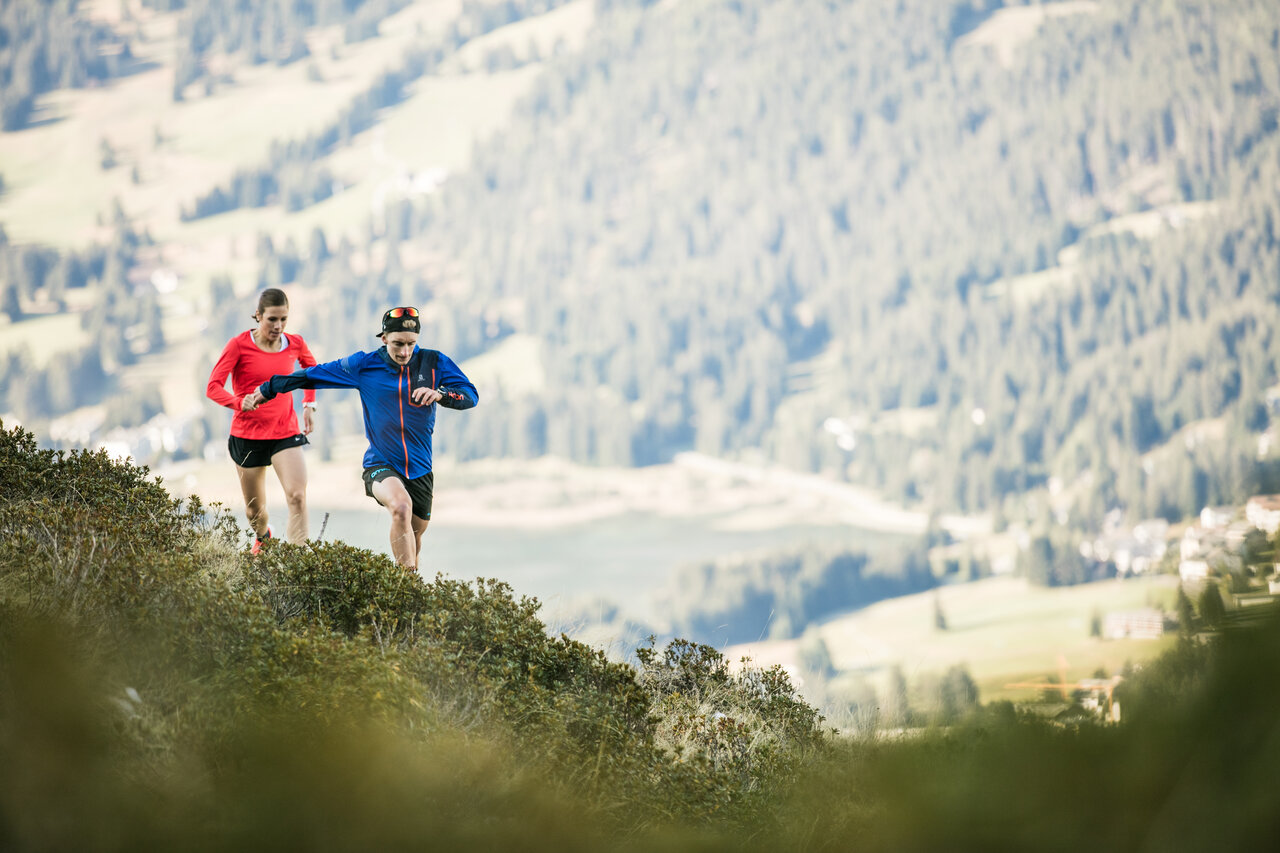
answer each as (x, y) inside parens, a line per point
(306, 359)
(332, 374)
(455, 388)
(216, 390)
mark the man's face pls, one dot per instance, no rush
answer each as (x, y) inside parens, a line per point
(400, 345)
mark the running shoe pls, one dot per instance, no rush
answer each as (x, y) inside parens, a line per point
(257, 541)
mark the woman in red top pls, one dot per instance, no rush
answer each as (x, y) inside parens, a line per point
(267, 434)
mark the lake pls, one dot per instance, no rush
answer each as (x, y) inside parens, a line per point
(623, 559)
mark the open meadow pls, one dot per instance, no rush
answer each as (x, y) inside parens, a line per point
(59, 192)
(1002, 629)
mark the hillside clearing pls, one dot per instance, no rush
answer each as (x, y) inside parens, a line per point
(1008, 29)
(1002, 629)
(58, 193)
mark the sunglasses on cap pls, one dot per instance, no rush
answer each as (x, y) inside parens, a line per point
(403, 319)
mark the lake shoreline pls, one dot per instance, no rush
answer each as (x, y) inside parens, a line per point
(575, 536)
(548, 493)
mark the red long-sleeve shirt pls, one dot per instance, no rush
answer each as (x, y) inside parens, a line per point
(249, 366)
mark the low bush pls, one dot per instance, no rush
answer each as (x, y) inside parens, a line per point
(256, 695)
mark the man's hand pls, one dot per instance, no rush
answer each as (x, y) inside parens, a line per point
(425, 396)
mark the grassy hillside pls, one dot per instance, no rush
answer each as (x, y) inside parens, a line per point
(1001, 630)
(164, 690)
(165, 153)
(146, 659)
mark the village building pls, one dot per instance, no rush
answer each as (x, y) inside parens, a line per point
(1193, 570)
(1098, 697)
(1133, 551)
(1192, 542)
(1235, 534)
(1144, 624)
(1263, 511)
(1215, 517)
(1253, 599)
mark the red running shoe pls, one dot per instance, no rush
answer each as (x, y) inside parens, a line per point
(257, 541)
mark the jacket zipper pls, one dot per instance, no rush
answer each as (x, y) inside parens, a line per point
(403, 443)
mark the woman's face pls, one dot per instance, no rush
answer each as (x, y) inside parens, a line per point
(271, 322)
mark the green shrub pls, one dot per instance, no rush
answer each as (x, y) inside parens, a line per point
(735, 736)
(276, 696)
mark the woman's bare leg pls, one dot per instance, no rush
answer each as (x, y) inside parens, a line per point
(253, 485)
(291, 468)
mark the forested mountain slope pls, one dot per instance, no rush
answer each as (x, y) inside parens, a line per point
(714, 193)
(952, 250)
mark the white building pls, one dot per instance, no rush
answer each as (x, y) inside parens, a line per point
(1193, 570)
(1145, 624)
(1133, 551)
(1213, 517)
(1263, 511)
(1191, 547)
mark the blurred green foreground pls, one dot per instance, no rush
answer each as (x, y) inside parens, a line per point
(160, 689)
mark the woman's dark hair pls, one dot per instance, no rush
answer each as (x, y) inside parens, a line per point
(270, 298)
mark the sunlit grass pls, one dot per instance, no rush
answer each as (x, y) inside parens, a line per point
(1001, 630)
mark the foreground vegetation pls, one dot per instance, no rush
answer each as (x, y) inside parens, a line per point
(160, 686)
(160, 689)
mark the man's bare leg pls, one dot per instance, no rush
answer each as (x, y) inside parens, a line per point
(419, 528)
(392, 494)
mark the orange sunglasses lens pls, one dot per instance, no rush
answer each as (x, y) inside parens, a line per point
(401, 312)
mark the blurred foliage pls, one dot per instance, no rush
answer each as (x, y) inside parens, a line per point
(1186, 770)
(160, 689)
(192, 668)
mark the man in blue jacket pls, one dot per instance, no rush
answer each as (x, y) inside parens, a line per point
(399, 387)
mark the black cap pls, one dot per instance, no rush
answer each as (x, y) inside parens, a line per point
(401, 320)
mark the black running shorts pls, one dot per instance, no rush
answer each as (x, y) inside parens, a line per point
(419, 488)
(257, 452)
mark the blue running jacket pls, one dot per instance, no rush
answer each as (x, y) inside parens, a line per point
(399, 430)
